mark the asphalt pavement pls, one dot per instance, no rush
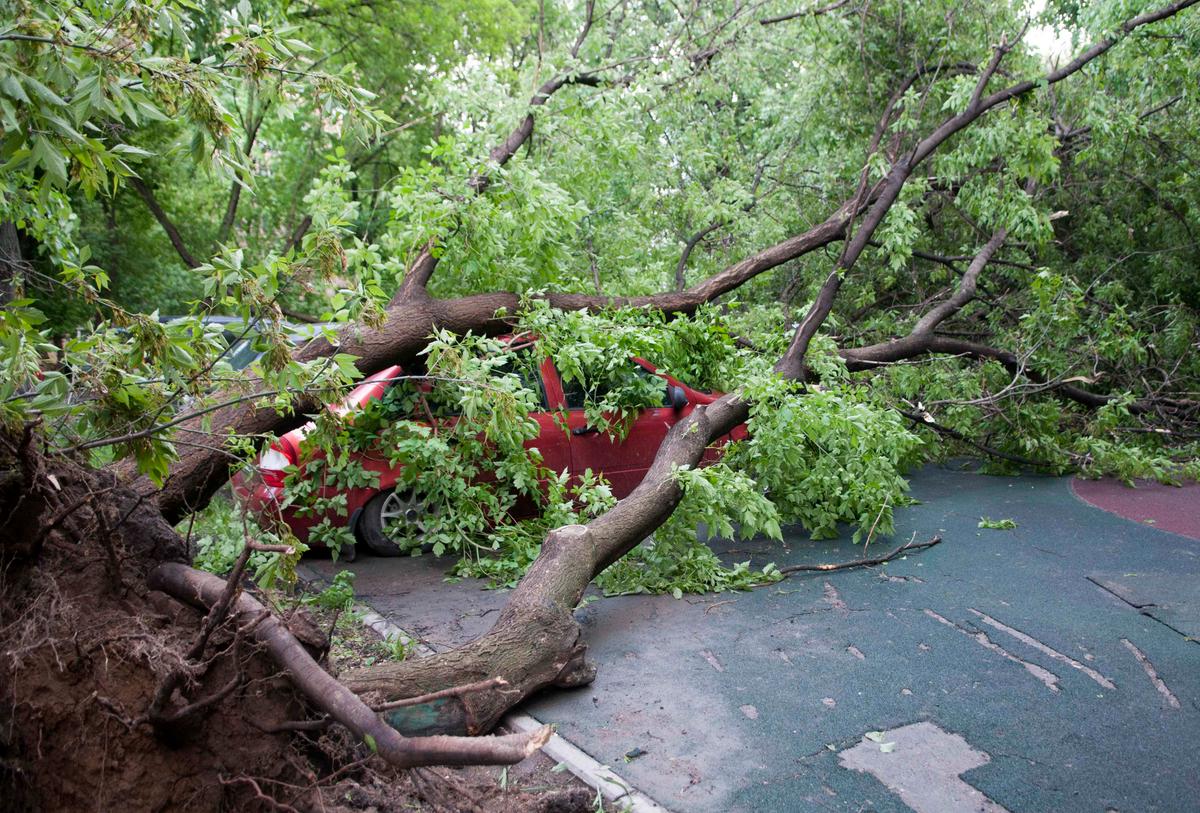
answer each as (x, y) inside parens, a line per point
(1051, 667)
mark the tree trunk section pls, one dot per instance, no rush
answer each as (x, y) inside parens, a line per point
(536, 641)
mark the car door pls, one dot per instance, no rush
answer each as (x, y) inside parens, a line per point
(623, 462)
(551, 442)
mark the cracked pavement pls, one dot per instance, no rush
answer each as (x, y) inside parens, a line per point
(1055, 664)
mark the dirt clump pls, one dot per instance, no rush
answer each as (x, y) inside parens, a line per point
(84, 646)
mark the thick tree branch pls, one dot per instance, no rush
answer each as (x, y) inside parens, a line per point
(1017, 366)
(145, 193)
(688, 248)
(793, 361)
(298, 234)
(422, 268)
(588, 13)
(535, 642)
(984, 104)
(922, 340)
(921, 337)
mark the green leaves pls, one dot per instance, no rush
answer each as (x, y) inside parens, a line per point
(997, 524)
(826, 456)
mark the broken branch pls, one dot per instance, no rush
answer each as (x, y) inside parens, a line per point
(878, 560)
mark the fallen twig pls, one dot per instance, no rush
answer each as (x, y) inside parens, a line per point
(906, 547)
(453, 691)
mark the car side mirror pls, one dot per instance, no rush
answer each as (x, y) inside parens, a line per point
(676, 397)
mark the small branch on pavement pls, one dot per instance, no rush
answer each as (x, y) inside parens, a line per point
(907, 547)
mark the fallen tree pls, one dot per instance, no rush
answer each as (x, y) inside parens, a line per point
(134, 555)
(536, 642)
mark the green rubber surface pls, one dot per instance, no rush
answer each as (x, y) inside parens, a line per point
(745, 701)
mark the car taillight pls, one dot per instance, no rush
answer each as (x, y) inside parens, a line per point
(272, 464)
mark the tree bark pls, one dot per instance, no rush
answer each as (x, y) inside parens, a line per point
(11, 264)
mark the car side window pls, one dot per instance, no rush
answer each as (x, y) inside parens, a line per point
(525, 364)
(404, 398)
(575, 395)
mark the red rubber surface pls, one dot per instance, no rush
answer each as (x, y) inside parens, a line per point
(1170, 508)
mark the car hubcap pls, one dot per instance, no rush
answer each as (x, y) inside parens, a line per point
(401, 516)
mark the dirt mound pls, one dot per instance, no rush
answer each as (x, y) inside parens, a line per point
(84, 646)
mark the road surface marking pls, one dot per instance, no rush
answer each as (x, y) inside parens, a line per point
(923, 766)
(1152, 673)
(1048, 678)
(1044, 649)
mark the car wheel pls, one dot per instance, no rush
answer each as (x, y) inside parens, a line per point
(392, 517)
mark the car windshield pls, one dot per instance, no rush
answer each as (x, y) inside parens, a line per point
(524, 364)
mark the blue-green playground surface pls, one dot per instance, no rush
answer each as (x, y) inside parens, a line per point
(1059, 656)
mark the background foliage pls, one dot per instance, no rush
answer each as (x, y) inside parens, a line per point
(288, 158)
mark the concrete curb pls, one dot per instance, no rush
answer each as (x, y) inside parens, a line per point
(612, 787)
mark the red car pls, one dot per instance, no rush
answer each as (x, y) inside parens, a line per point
(372, 511)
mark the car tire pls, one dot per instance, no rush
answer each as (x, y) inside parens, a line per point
(382, 513)
(348, 553)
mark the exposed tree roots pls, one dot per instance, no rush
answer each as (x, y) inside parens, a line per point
(113, 695)
(205, 591)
